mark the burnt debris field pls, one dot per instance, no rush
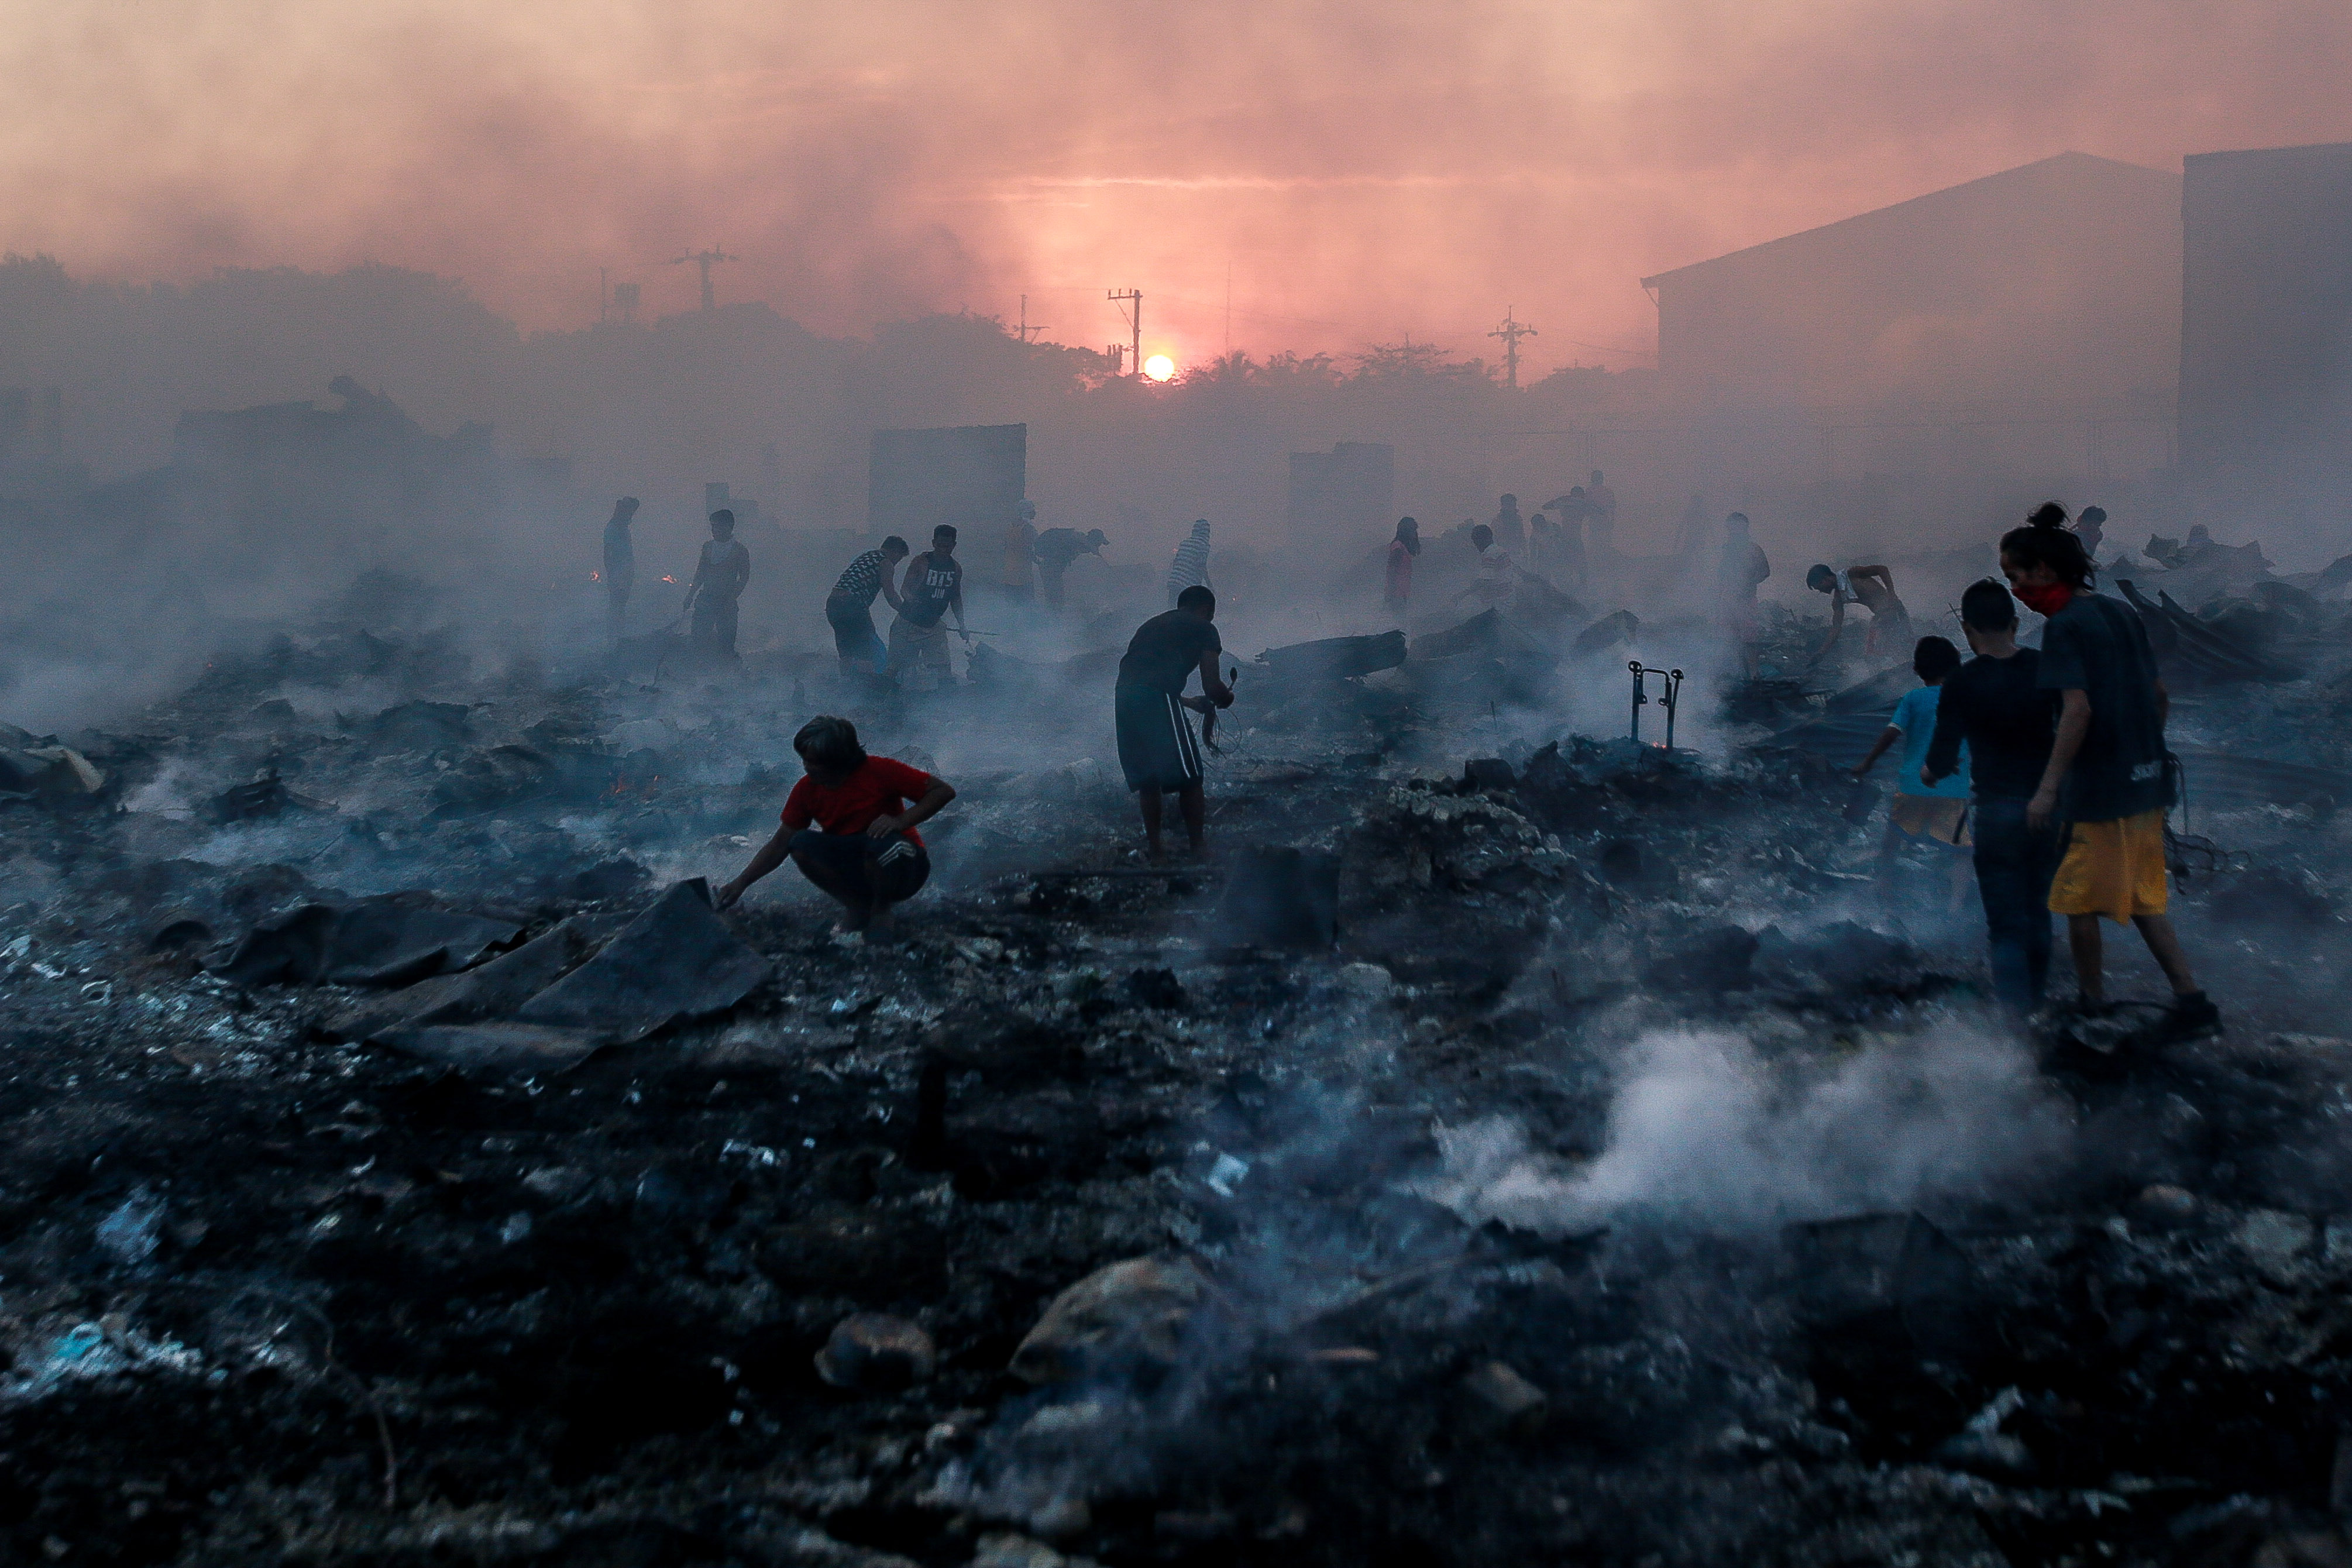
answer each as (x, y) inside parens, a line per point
(1513, 1144)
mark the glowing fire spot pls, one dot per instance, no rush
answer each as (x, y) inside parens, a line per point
(666, 578)
(1160, 367)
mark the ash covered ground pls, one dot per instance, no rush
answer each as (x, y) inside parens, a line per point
(1580, 1156)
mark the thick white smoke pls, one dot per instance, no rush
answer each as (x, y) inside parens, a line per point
(1702, 1131)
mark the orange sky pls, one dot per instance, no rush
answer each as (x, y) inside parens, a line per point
(1358, 171)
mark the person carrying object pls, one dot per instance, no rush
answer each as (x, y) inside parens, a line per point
(1157, 749)
(1938, 812)
(720, 575)
(1190, 568)
(849, 608)
(849, 826)
(1994, 708)
(620, 566)
(2108, 776)
(932, 586)
(1056, 549)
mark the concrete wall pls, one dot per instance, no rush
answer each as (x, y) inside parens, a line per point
(2051, 287)
(2266, 317)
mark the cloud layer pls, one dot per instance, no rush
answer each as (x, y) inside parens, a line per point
(1358, 169)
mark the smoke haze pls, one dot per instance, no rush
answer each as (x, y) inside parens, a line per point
(1359, 172)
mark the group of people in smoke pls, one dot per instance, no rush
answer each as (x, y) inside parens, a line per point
(722, 569)
(850, 823)
(2051, 767)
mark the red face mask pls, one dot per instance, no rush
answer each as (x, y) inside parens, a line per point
(2045, 599)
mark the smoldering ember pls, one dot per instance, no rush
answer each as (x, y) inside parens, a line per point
(927, 1009)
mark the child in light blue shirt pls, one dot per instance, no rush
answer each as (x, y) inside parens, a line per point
(1938, 812)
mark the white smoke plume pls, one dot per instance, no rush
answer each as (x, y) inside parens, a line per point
(1704, 1132)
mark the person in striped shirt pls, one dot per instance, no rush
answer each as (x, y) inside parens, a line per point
(1191, 567)
(849, 608)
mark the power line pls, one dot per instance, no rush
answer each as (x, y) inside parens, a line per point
(1134, 317)
(1511, 331)
(1025, 329)
(706, 258)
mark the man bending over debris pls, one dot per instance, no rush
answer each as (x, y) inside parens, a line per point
(848, 828)
(2108, 759)
(1871, 587)
(849, 608)
(1157, 749)
(1994, 705)
(1056, 549)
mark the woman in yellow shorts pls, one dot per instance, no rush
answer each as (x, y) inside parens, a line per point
(2106, 774)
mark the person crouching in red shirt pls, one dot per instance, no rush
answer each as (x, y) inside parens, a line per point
(848, 825)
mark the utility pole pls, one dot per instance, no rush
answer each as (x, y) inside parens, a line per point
(1026, 328)
(1131, 298)
(706, 258)
(1511, 331)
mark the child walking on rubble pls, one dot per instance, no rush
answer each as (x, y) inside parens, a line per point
(1994, 707)
(2107, 776)
(1936, 812)
(849, 828)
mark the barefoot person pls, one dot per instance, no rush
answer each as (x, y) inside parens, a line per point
(1157, 749)
(848, 826)
(2107, 776)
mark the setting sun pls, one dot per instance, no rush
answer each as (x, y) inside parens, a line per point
(1160, 367)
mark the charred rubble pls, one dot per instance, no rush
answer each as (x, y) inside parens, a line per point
(1516, 1145)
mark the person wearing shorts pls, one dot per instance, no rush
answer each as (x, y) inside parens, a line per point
(849, 608)
(1938, 812)
(2108, 774)
(918, 637)
(849, 826)
(1157, 749)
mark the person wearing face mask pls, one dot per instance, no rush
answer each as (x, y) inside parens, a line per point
(2107, 776)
